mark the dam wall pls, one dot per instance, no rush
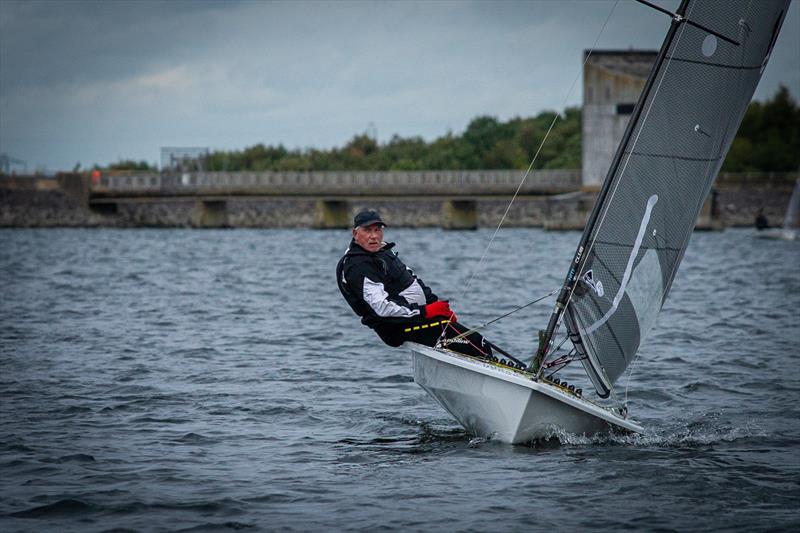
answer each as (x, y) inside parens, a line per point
(68, 202)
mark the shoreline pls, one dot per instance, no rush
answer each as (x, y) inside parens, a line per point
(735, 205)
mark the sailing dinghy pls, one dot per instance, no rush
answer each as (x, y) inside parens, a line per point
(681, 129)
(791, 221)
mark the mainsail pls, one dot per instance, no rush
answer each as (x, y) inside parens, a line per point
(687, 116)
(791, 221)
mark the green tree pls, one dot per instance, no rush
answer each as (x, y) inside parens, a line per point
(768, 140)
(130, 164)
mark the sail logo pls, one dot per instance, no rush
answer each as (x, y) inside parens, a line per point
(578, 255)
(626, 277)
(596, 285)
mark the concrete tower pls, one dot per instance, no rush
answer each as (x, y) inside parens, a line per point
(612, 81)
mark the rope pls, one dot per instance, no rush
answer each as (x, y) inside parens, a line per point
(561, 362)
(628, 381)
(566, 337)
(530, 166)
(627, 160)
(520, 308)
(451, 340)
(528, 171)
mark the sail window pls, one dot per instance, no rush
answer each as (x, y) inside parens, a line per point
(699, 130)
(709, 45)
(625, 109)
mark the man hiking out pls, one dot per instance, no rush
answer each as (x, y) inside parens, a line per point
(392, 300)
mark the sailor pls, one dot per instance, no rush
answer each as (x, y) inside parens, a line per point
(391, 299)
(761, 220)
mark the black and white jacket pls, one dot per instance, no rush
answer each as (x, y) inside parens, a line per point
(383, 291)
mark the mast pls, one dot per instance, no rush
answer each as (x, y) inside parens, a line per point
(673, 148)
(579, 260)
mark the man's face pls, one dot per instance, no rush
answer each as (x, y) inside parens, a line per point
(369, 237)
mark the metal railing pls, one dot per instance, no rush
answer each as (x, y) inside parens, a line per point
(491, 182)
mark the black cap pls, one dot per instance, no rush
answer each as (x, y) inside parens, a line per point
(367, 218)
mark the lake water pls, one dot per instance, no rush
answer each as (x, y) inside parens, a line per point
(216, 380)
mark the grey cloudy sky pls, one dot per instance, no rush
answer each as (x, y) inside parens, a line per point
(95, 82)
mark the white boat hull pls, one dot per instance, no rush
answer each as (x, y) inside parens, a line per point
(503, 404)
(784, 234)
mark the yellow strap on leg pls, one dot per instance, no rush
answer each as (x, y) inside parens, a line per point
(425, 326)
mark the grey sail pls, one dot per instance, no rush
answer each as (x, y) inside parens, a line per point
(791, 220)
(680, 132)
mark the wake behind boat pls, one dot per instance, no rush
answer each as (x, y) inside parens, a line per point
(676, 141)
(780, 234)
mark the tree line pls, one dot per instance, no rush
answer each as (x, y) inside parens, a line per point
(768, 141)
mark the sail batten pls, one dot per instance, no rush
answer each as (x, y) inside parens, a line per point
(680, 131)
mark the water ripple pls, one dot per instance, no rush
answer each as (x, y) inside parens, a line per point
(216, 380)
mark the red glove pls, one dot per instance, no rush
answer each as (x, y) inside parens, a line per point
(440, 308)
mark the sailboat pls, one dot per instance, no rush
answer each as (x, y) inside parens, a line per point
(791, 221)
(683, 124)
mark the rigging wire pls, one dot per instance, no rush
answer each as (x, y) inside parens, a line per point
(538, 150)
(566, 337)
(530, 166)
(628, 381)
(630, 153)
(616, 186)
(558, 360)
(702, 198)
(520, 308)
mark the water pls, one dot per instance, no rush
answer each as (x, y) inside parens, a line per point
(215, 380)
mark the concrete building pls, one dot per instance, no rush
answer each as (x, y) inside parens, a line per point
(612, 82)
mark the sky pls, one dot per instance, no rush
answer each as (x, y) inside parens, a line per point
(85, 82)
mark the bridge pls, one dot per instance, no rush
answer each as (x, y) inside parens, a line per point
(333, 191)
